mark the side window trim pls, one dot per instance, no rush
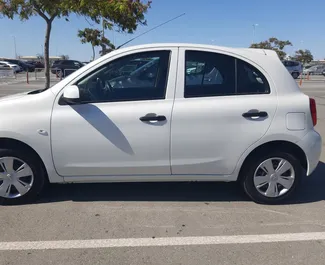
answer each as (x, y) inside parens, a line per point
(236, 77)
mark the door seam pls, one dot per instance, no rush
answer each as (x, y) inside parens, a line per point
(171, 115)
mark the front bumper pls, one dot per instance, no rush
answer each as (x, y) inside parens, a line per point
(312, 146)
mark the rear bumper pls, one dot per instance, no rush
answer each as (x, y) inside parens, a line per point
(312, 146)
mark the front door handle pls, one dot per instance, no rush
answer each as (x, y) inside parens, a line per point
(153, 118)
(259, 114)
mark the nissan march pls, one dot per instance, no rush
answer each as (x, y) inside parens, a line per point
(186, 113)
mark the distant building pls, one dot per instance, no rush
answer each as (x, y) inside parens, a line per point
(317, 62)
(37, 58)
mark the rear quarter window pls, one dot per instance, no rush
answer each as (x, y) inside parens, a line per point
(250, 80)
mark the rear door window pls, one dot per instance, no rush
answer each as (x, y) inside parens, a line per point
(209, 74)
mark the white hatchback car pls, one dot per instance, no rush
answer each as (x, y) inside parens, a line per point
(164, 112)
(14, 67)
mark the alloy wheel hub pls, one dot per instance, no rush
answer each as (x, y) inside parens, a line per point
(16, 177)
(274, 177)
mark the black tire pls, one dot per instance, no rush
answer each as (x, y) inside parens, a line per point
(249, 169)
(295, 75)
(39, 182)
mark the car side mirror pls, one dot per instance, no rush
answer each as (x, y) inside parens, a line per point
(71, 95)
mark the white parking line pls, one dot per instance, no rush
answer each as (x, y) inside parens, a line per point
(164, 241)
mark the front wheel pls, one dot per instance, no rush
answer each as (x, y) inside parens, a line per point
(272, 178)
(22, 177)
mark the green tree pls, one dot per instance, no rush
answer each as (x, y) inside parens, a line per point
(125, 14)
(95, 38)
(273, 44)
(303, 56)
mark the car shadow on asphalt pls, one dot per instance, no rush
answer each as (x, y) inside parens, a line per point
(311, 190)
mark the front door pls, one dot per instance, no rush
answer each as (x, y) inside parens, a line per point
(223, 105)
(122, 126)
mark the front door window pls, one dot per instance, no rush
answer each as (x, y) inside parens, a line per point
(141, 76)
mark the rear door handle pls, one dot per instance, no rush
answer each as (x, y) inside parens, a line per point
(260, 114)
(153, 118)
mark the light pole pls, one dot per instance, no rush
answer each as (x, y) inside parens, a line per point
(254, 29)
(15, 46)
(42, 53)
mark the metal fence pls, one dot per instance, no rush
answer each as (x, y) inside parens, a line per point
(56, 75)
(6, 73)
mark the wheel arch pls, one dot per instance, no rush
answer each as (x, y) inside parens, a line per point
(274, 145)
(16, 144)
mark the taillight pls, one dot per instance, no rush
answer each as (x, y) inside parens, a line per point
(313, 110)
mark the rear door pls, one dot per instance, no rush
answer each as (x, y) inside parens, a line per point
(223, 105)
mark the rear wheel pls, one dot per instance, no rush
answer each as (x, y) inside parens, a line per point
(272, 178)
(22, 177)
(295, 75)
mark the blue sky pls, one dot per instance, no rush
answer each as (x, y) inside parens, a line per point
(219, 22)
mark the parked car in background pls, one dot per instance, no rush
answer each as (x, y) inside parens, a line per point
(65, 67)
(4, 65)
(55, 62)
(25, 66)
(5, 70)
(315, 70)
(237, 115)
(37, 64)
(295, 68)
(15, 67)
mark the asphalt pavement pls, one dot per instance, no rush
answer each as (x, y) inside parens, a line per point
(167, 223)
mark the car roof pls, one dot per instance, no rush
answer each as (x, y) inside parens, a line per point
(62, 61)
(194, 46)
(8, 59)
(5, 62)
(268, 60)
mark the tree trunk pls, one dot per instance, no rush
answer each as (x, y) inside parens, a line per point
(47, 53)
(93, 52)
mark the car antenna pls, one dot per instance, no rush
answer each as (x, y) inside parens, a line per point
(150, 30)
